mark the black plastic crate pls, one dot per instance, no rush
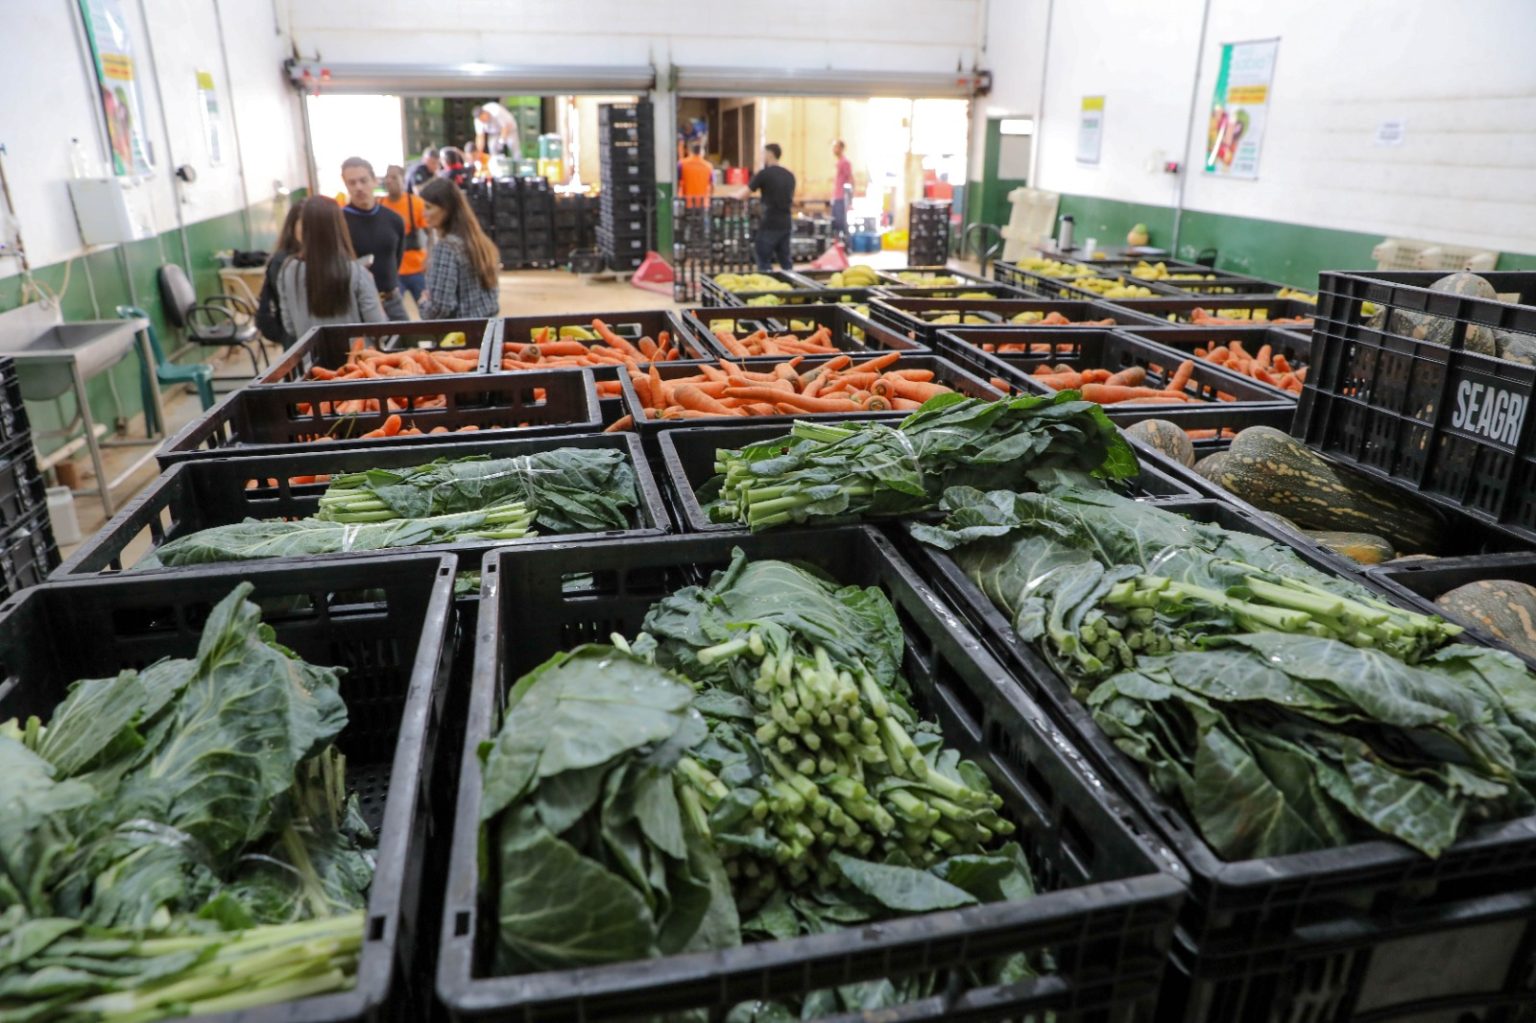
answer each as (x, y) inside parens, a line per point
(1259, 311)
(327, 347)
(687, 462)
(628, 324)
(287, 419)
(23, 491)
(1105, 908)
(1086, 348)
(629, 191)
(1450, 424)
(14, 424)
(799, 296)
(891, 277)
(623, 262)
(208, 492)
(850, 331)
(1221, 286)
(944, 372)
(624, 170)
(622, 206)
(1419, 581)
(915, 313)
(626, 226)
(609, 114)
(620, 245)
(28, 553)
(964, 292)
(1295, 347)
(1360, 932)
(388, 622)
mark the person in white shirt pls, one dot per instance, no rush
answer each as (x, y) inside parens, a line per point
(498, 128)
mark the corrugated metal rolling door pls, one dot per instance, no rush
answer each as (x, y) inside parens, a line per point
(732, 81)
(472, 79)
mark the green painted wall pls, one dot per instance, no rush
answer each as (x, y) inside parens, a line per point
(93, 285)
(1291, 253)
(986, 200)
(664, 219)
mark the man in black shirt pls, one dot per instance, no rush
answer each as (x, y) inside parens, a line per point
(376, 232)
(778, 187)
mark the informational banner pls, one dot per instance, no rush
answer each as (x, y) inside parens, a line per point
(117, 75)
(208, 111)
(1090, 130)
(1239, 108)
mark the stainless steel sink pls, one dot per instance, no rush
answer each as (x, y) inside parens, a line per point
(42, 361)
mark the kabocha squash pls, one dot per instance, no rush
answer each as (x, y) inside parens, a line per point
(1503, 608)
(1516, 347)
(1362, 548)
(1161, 435)
(1214, 467)
(1274, 472)
(1441, 329)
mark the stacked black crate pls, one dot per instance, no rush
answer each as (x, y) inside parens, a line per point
(28, 551)
(628, 157)
(507, 222)
(569, 210)
(928, 233)
(710, 239)
(538, 198)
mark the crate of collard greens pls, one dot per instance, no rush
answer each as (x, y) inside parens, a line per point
(766, 790)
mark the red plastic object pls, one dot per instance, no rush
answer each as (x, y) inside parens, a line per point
(737, 176)
(833, 259)
(654, 274)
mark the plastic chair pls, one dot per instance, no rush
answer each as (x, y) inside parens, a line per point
(224, 320)
(166, 371)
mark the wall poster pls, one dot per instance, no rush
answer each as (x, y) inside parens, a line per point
(208, 112)
(1240, 108)
(116, 75)
(1090, 130)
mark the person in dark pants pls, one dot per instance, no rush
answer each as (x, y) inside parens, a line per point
(778, 187)
(842, 192)
(376, 231)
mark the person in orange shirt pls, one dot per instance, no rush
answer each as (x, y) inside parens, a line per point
(408, 207)
(695, 177)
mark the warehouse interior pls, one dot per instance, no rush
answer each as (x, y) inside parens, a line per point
(904, 510)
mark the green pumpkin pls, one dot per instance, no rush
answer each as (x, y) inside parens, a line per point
(1441, 329)
(1503, 608)
(1516, 347)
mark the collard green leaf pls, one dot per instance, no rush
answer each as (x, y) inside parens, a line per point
(903, 889)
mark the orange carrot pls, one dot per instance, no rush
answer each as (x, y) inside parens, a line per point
(800, 401)
(1130, 376)
(690, 397)
(1181, 376)
(621, 424)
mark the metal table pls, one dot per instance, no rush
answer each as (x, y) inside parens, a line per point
(54, 358)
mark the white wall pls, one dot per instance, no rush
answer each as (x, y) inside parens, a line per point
(1459, 74)
(50, 97)
(1013, 49)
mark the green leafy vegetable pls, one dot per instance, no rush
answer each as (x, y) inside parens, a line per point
(162, 810)
(841, 473)
(1286, 709)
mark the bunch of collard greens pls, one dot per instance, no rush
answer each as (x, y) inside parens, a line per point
(748, 768)
(565, 490)
(1287, 710)
(162, 811)
(826, 472)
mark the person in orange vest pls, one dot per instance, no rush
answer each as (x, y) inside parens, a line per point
(408, 207)
(695, 176)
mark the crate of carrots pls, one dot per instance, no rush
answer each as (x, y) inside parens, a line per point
(364, 351)
(605, 343)
(1273, 357)
(771, 335)
(1226, 311)
(879, 386)
(1111, 368)
(416, 411)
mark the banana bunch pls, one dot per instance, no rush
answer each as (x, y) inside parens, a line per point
(918, 279)
(765, 300)
(955, 318)
(1300, 296)
(751, 282)
(856, 276)
(1117, 287)
(575, 332)
(1055, 267)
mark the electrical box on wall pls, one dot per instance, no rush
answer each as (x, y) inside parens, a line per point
(112, 210)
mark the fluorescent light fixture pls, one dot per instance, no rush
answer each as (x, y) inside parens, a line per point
(1017, 126)
(476, 68)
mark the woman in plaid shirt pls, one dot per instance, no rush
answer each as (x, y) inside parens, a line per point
(462, 270)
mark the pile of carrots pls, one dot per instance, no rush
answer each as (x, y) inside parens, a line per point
(838, 385)
(1128, 385)
(759, 343)
(546, 352)
(1266, 366)
(1055, 319)
(1202, 318)
(367, 363)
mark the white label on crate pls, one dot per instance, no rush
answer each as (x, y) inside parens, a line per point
(1390, 133)
(1490, 411)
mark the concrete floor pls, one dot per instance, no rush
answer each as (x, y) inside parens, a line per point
(523, 293)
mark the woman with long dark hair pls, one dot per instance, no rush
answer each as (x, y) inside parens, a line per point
(323, 282)
(462, 269)
(269, 309)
